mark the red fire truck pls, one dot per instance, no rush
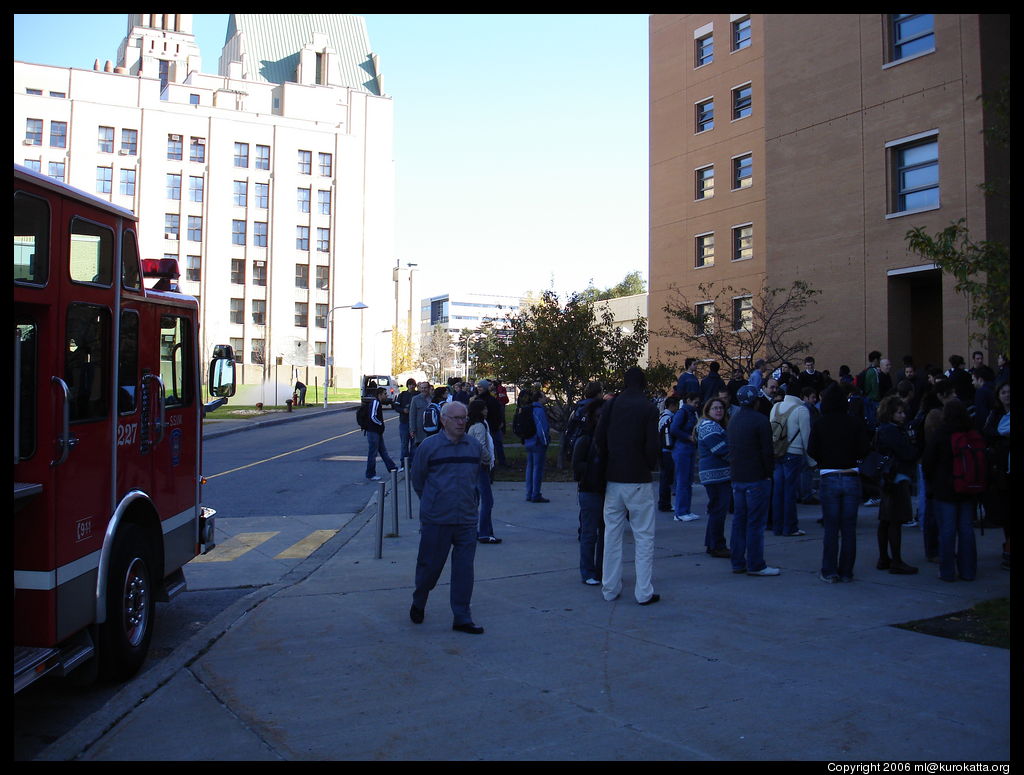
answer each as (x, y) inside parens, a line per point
(107, 434)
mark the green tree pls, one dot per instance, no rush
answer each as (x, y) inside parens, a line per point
(437, 351)
(736, 327)
(632, 284)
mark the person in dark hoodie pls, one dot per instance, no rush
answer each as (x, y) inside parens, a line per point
(892, 439)
(838, 442)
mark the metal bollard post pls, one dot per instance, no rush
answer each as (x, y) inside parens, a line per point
(408, 488)
(394, 503)
(380, 521)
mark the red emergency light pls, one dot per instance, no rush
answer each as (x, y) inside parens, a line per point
(165, 270)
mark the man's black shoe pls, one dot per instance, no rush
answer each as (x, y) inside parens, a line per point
(472, 629)
(541, 499)
(651, 600)
(416, 614)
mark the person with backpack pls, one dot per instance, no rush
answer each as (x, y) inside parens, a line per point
(683, 452)
(791, 427)
(370, 417)
(588, 471)
(495, 418)
(713, 472)
(666, 472)
(417, 405)
(892, 440)
(956, 466)
(532, 416)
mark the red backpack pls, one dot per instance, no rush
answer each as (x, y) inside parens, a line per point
(969, 463)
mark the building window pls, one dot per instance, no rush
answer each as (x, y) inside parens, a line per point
(56, 171)
(104, 179)
(741, 101)
(705, 250)
(33, 131)
(705, 115)
(323, 274)
(105, 139)
(263, 157)
(237, 345)
(705, 323)
(705, 182)
(238, 271)
(193, 99)
(174, 147)
(259, 234)
(34, 92)
(259, 312)
(742, 313)
(258, 349)
(305, 162)
(915, 166)
(301, 276)
(301, 314)
(237, 311)
(238, 196)
(302, 238)
(704, 50)
(742, 242)
(173, 186)
(197, 150)
(127, 182)
(129, 142)
(259, 273)
(172, 222)
(58, 95)
(34, 164)
(323, 240)
(241, 154)
(262, 195)
(195, 188)
(320, 321)
(303, 199)
(911, 34)
(58, 134)
(324, 202)
(195, 228)
(326, 162)
(742, 171)
(193, 268)
(320, 353)
(237, 232)
(741, 33)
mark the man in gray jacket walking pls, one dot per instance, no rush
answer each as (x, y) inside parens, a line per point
(444, 475)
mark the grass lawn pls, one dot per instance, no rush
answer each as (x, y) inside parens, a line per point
(234, 411)
(987, 624)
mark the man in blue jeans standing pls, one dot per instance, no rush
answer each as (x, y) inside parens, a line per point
(751, 462)
(684, 450)
(375, 439)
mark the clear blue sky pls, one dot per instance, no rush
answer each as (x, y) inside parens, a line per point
(520, 140)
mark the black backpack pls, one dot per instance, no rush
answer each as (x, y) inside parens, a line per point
(523, 424)
(431, 419)
(363, 417)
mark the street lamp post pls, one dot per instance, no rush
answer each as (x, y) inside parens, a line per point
(327, 356)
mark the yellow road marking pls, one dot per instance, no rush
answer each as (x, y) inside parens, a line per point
(284, 454)
(306, 546)
(235, 547)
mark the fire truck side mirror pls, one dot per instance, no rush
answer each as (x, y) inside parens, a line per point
(222, 372)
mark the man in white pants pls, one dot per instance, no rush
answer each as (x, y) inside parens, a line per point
(627, 434)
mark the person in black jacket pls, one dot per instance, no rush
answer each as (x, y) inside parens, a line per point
(627, 434)
(838, 442)
(891, 439)
(588, 471)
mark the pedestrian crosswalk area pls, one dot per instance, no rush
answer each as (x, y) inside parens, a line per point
(238, 545)
(265, 539)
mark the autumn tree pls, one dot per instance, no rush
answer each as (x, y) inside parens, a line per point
(401, 353)
(736, 327)
(436, 351)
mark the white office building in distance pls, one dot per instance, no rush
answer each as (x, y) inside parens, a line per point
(271, 182)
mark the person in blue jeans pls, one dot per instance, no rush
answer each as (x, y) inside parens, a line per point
(713, 471)
(536, 448)
(479, 430)
(750, 469)
(954, 511)
(684, 451)
(838, 442)
(797, 419)
(375, 439)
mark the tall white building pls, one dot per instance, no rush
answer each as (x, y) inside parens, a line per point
(271, 182)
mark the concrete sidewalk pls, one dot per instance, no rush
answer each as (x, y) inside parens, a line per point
(327, 665)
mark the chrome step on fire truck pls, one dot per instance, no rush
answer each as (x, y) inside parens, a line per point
(107, 434)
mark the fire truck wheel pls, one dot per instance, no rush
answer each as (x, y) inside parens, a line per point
(125, 636)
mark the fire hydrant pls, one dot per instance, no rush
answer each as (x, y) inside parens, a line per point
(288, 403)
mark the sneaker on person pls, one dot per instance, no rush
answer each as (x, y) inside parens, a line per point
(767, 570)
(828, 579)
(685, 517)
(376, 478)
(872, 502)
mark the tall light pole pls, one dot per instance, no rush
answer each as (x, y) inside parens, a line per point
(328, 360)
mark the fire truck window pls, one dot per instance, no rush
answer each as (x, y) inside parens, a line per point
(128, 363)
(31, 239)
(176, 359)
(87, 361)
(131, 274)
(92, 253)
(27, 370)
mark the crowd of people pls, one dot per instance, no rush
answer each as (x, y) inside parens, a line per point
(929, 448)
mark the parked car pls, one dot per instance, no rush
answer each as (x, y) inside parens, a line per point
(373, 382)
